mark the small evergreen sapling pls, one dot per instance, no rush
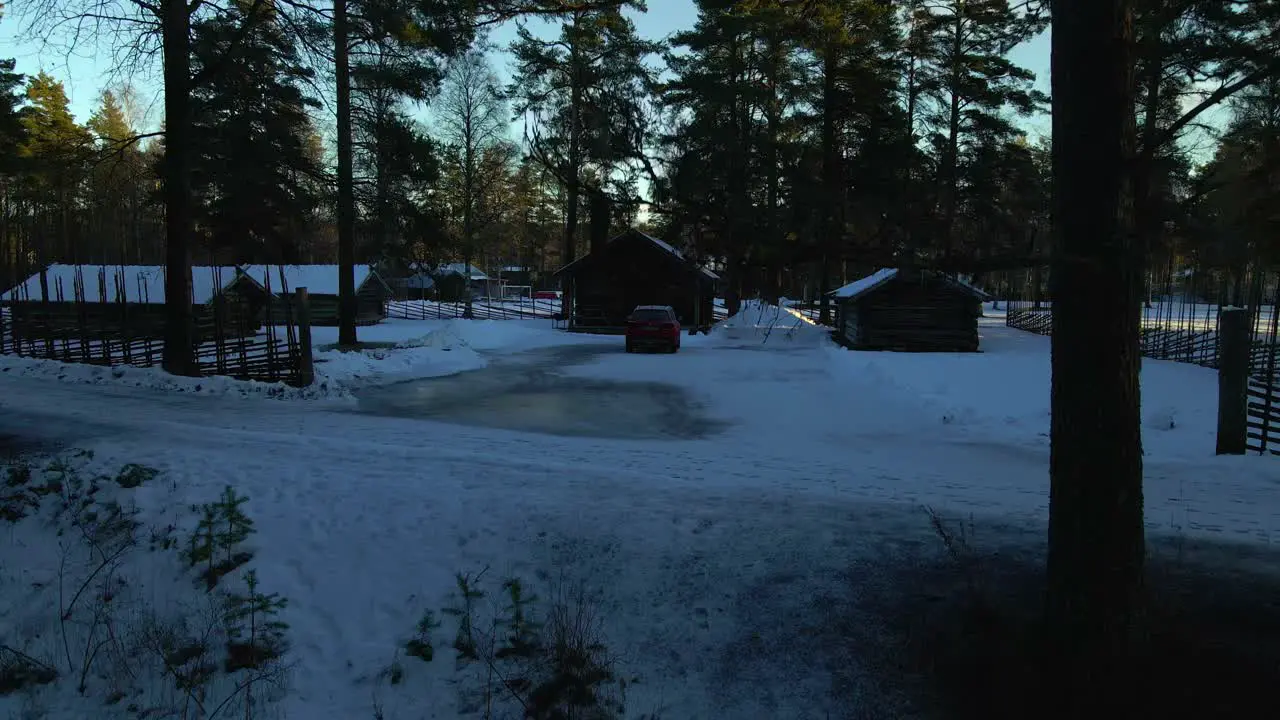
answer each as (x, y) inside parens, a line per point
(201, 548)
(234, 526)
(420, 645)
(522, 640)
(214, 544)
(17, 497)
(254, 634)
(468, 596)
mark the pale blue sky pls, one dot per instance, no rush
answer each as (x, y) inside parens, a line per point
(90, 68)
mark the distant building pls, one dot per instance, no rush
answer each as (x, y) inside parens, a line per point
(909, 310)
(635, 269)
(321, 282)
(455, 281)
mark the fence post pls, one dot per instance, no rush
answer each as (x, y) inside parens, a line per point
(1233, 381)
(306, 366)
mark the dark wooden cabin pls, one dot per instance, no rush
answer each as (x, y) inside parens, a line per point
(127, 301)
(635, 269)
(321, 282)
(909, 310)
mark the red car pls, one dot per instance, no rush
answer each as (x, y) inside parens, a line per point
(653, 326)
(546, 295)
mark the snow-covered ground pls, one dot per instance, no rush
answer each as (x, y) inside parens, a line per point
(711, 557)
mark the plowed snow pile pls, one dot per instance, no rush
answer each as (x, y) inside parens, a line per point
(759, 323)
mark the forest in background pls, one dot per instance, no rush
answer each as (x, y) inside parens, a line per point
(787, 144)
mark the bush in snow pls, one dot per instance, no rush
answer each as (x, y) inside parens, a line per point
(519, 655)
(113, 639)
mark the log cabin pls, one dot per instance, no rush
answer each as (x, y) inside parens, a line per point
(909, 310)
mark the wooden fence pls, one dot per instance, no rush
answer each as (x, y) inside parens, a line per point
(515, 309)
(117, 330)
(1264, 416)
(1038, 321)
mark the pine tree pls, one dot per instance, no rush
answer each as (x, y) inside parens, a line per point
(56, 150)
(1184, 46)
(584, 94)
(405, 38)
(714, 88)
(118, 193)
(108, 122)
(967, 85)
(252, 127)
(12, 137)
(473, 119)
(12, 128)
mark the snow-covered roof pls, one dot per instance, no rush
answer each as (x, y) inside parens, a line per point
(660, 244)
(317, 279)
(461, 270)
(862, 286)
(142, 283)
(671, 249)
(515, 268)
(418, 281)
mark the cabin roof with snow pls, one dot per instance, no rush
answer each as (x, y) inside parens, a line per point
(317, 279)
(634, 235)
(460, 269)
(142, 284)
(881, 277)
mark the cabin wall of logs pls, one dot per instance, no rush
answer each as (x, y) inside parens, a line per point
(912, 315)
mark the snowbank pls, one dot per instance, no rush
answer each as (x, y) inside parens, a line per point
(413, 348)
(1003, 392)
(155, 379)
(759, 323)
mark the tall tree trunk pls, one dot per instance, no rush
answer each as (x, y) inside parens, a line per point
(599, 223)
(735, 237)
(1146, 215)
(1096, 544)
(386, 221)
(468, 217)
(346, 182)
(951, 154)
(773, 120)
(569, 246)
(830, 183)
(179, 333)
